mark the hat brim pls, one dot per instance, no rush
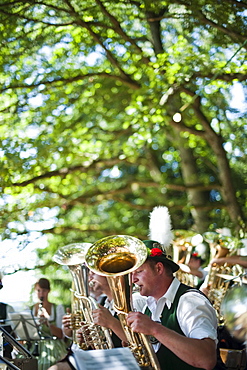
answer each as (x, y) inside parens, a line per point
(168, 261)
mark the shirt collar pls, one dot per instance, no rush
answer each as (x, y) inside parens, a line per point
(109, 304)
(168, 297)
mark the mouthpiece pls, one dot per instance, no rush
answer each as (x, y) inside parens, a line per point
(91, 283)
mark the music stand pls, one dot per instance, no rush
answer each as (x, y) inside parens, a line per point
(24, 326)
(29, 359)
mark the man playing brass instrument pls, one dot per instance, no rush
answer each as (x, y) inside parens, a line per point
(180, 320)
(105, 316)
(101, 315)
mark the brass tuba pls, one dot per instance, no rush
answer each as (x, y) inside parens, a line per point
(116, 257)
(220, 276)
(182, 248)
(95, 336)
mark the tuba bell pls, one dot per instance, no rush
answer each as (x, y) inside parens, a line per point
(234, 310)
(220, 277)
(95, 336)
(115, 257)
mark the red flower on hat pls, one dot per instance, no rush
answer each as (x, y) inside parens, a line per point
(156, 252)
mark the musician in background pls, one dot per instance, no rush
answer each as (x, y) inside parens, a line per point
(95, 290)
(238, 258)
(196, 269)
(181, 321)
(98, 283)
(236, 262)
(49, 318)
(104, 315)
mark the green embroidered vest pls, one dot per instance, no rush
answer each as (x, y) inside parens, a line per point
(167, 359)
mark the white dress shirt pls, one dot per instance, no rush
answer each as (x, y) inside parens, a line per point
(138, 301)
(195, 314)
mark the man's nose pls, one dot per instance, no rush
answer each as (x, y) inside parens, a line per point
(133, 277)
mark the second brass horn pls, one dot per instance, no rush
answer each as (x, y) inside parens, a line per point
(234, 310)
(115, 257)
(95, 336)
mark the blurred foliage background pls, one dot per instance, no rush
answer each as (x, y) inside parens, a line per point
(109, 108)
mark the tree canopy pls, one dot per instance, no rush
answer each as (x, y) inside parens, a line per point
(109, 108)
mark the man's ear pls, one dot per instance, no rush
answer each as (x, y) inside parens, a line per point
(159, 267)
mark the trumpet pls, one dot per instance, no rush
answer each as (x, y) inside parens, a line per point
(94, 336)
(116, 257)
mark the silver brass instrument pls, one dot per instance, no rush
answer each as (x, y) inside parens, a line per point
(182, 248)
(95, 336)
(116, 257)
(234, 310)
(220, 276)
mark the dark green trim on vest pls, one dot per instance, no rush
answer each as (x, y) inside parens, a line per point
(167, 359)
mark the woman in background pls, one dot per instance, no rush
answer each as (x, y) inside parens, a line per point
(51, 347)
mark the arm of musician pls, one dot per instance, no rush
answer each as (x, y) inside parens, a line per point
(196, 272)
(54, 330)
(66, 324)
(231, 260)
(204, 288)
(203, 350)
(102, 316)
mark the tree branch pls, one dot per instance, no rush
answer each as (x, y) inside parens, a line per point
(117, 27)
(128, 82)
(226, 31)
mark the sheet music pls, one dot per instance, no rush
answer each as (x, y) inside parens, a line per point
(105, 359)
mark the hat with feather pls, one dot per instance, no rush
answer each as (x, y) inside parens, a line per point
(160, 235)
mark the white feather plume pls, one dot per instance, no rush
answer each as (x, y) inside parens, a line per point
(160, 226)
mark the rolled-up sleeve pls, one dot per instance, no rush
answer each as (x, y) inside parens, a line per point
(196, 316)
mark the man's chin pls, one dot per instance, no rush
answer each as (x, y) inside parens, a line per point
(141, 290)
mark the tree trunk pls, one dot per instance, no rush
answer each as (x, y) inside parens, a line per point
(197, 198)
(228, 191)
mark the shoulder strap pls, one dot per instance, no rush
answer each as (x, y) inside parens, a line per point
(190, 289)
